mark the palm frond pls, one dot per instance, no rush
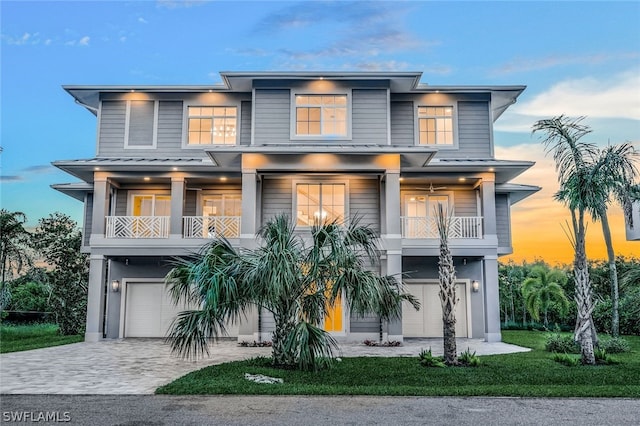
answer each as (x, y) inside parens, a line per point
(314, 348)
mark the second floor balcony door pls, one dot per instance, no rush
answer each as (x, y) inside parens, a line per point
(151, 215)
(420, 213)
(221, 215)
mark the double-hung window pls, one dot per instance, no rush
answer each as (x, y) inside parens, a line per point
(321, 116)
(212, 125)
(435, 125)
(320, 202)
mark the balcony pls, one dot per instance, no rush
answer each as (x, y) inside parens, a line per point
(137, 227)
(468, 227)
(211, 226)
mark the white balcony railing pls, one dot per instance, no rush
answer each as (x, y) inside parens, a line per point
(211, 226)
(426, 227)
(137, 227)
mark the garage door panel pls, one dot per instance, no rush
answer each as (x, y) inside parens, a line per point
(149, 311)
(428, 321)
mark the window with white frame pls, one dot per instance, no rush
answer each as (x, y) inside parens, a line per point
(435, 125)
(321, 115)
(150, 205)
(320, 202)
(212, 125)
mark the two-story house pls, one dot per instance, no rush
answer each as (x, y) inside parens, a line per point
(178, 165)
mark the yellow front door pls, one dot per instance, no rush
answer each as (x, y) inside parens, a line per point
(333, 320)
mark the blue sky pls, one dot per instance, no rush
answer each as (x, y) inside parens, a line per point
(577, 58)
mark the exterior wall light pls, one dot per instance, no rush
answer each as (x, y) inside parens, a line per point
(475, 285)
(115, 286)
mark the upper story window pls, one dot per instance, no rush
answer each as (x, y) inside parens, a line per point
(319, 202)
(435, 125)
(150, 205)
(321, 115)
(212, 125)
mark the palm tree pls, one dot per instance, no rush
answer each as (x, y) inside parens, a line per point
(613, 174)
(14, 248)
(573, 158)
(298, 280)
(541, 289)
(447, 280)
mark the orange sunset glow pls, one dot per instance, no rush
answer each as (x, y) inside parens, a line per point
(538, 221)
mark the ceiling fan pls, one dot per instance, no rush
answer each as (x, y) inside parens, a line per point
(432, 188)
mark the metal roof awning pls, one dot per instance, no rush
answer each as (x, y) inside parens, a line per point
(516, 191)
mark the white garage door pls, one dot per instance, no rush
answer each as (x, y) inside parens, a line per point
(427, 322)
(149, 310)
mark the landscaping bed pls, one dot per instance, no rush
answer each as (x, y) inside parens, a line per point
(531, 374)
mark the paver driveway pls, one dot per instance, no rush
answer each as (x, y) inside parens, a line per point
(139, 366)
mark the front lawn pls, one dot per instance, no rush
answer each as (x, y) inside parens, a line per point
(14, 338)
(531, 374)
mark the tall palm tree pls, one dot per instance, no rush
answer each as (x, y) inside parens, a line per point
(299, 280)
(573, 157)
(541, 289)
(614, 172)
(447, 280)
(14, 248)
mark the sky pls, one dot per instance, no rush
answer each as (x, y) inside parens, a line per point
(576, 58)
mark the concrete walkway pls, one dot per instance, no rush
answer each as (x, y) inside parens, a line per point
(139, 366)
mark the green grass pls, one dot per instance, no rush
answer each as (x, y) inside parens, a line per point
(531, 374)
(14, 338)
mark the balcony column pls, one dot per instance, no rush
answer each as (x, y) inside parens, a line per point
(488, 190)
(491, 299)
(392, 238)
(248, 328)
(100, 204)
(178, 189)
(97, 274)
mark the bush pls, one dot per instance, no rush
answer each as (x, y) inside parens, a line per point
(629, 311)
(30, 297)
(566, 359)
(469, 359)
(615, 345)
(602, 357)
(560, 343)
(428, 360)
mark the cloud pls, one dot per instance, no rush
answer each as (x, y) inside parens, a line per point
(39, 169)
(519, 65)
(612, 97)
(377, 66)
(177, 4)
(142, 20)
(84, 41)
(11, 178)
(22, 40)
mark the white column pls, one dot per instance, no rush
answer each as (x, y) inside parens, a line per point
(491, 299)
(392, 238)
(177, 206)
(248, 327)
(93, 332)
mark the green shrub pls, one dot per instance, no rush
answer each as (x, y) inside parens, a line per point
(428, 360)
(602, 357)
(629, 312)
(469, 359)
(615, 345)
(566, 359)
(31, 297)
(560, 343)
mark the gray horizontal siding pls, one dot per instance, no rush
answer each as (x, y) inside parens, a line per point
(465, 203)
(364, 201)
(369, 117)
(366, 324)
(121, 202)
(503, 225)
(277, 197)
(272, 111)
(245, 123)
(402, 126)
(112, 127)
(190, 203)
(474, 131)
(88, 219)
(169, 128)
(141, 122)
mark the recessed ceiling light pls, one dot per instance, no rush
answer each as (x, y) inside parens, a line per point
(175, 169)
(147, 178)
(96, 168)
(462, 179)
(491, 169)
(223, 179)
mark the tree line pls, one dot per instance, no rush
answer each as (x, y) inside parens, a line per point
(43, 270)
